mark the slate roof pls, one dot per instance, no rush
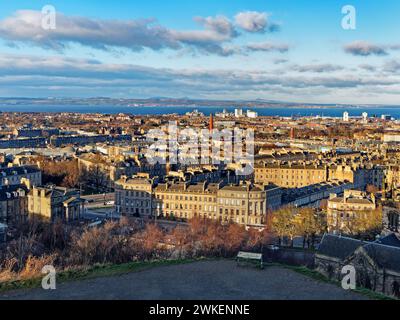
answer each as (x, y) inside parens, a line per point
(338, 247)
(55, 191)
(390, 240)
(241, 188)
(19, 170)
(190, 188)
(384, 256)
(73, 199)
(9, 192)
(351, 200)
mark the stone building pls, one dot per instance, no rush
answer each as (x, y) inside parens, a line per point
(352, 173)
(342, 211)
(243, 203)
(312, 195)
(53, 202)
(377, 264)
(13, 204)
(114, 170)
(290, 175)
(274, 197)
(332, 252)
(298, 174)
(206, 173)
(134, 196)
(15, 175)
(186, 200)
(391, 220)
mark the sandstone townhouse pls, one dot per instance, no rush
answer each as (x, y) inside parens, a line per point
(243, 203)
(342, 211)
(15, 175)
(301, 174)
(52, 202)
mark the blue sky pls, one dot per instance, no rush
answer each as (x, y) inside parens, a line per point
(291, 50)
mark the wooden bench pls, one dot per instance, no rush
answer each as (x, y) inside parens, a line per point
(250, 258)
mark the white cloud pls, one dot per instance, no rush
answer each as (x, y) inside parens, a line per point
(253, 21)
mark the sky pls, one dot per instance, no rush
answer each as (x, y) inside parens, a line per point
(286, 50)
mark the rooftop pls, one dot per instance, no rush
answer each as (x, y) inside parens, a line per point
(337, 246)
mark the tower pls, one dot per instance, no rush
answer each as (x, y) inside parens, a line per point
(292, 133)
(211, 125)
(365, 117)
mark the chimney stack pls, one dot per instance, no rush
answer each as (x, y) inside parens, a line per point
(211, 124)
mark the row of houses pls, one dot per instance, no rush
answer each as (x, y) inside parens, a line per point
(243, 203)
(298, 174)
(60, 140)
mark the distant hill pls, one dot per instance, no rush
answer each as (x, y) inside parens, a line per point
(167, 101)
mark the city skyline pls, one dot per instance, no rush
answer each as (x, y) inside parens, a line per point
(216, 155)
(292, 51)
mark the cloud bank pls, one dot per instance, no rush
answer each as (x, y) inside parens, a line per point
(25, 26)
(61, 76)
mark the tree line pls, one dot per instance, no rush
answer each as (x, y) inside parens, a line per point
(289, 222)
(66, 173)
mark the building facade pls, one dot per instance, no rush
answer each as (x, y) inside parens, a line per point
(342, 211)
(16, 175)
(302, 174)
(290, 175)
(13, 204)
(53, 203)
(134, 196)
(243, 203)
